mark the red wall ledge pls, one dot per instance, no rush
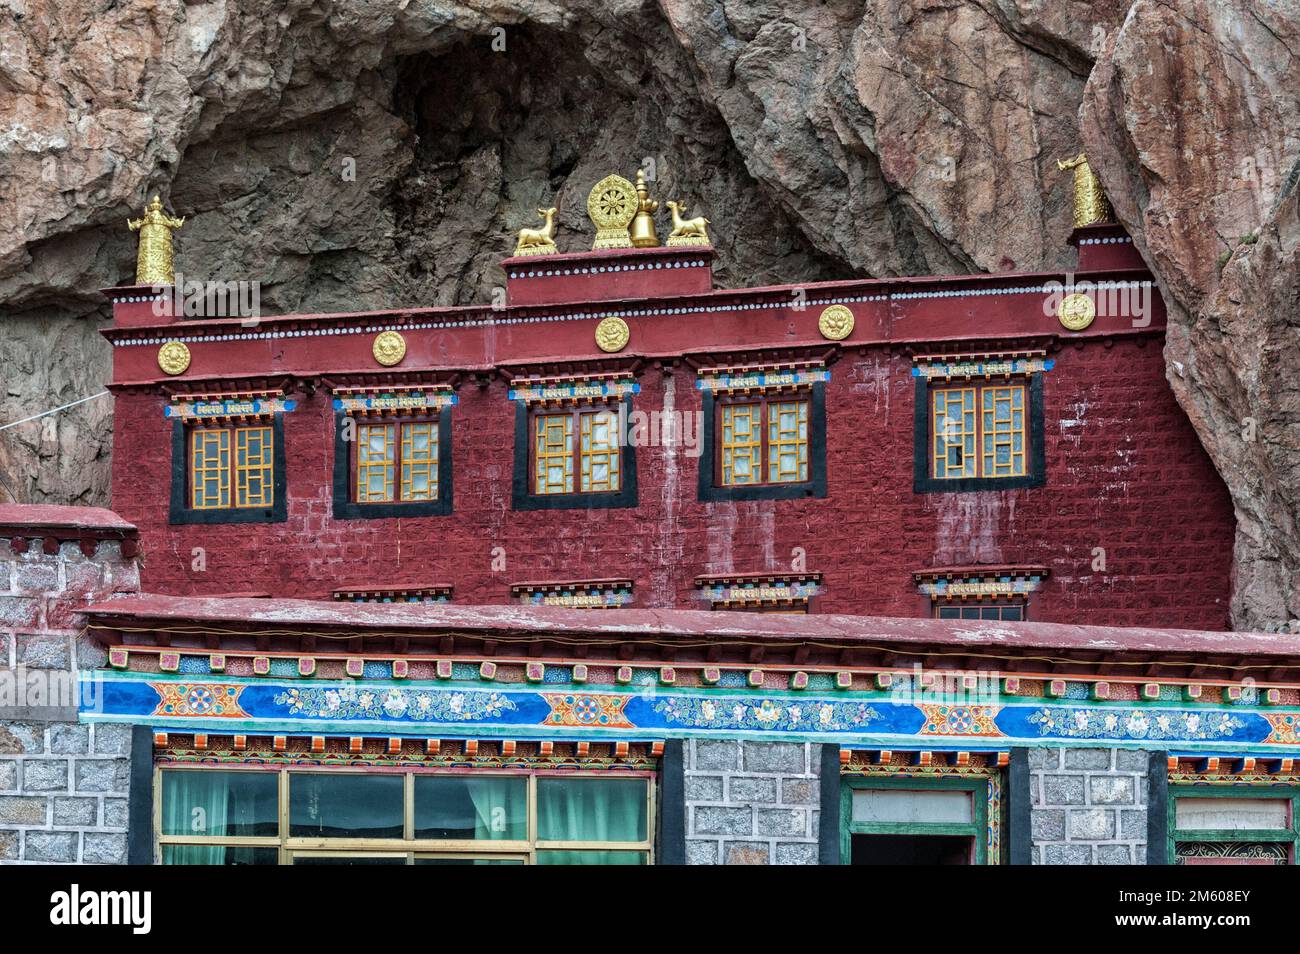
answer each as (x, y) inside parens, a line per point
(25, 523)
(818, 640)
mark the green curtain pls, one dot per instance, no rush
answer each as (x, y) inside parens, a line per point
(486, 808)
(591, 809)
(500, 808)
(197, 803)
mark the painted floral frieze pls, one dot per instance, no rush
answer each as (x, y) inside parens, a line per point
(778, 714)
(359, 702)
(1116, 723)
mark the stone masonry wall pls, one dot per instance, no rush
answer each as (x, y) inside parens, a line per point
(751, 803)
(63, 785)
(1088, 806)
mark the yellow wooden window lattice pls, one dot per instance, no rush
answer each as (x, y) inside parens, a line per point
(599, 452)
(553, 454)
(764, 442)
(742, 444)
(376, 452)
(787, 442)
(420, 461)
(380, 457)
(253, 470)
(979, 431)
(211, 467)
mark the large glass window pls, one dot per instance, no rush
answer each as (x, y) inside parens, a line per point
(286, 816)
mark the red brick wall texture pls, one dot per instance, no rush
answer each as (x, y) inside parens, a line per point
(1125, 474)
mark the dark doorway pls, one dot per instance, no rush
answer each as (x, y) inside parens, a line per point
(911, 850)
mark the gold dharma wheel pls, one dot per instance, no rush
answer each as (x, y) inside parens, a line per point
(836, 323)
(612, 334)
(174, 357)
(389, 348)
(1076, 312)
(612, 205)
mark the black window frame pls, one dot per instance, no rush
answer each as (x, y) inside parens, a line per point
(180, 512)
(345, 505)
(923, 482)
(522, 481)
(710, 486)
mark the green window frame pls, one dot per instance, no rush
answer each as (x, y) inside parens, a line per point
(976, 829)
(1289, 836)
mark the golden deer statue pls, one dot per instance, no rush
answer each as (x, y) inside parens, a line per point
(687, 231)
(539, 241)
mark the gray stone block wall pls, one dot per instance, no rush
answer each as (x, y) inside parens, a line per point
(1088, 806)
(63, 792)
(64, 785)
(751, 803)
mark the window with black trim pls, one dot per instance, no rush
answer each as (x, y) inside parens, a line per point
(764, 433)
(571, 451)
(392, 451)
(1005, 610)
(228, 458)
(979, 424)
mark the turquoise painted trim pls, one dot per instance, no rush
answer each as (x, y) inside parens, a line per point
(851, 719)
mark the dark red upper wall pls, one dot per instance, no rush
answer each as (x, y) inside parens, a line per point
(1125, 472)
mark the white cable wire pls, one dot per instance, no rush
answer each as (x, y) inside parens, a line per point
(53, 410)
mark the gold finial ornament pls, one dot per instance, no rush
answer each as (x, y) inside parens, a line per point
(1090, 203)
(1076, 312)
(539, 241)
(612, 206)
(174, 357)
(643, 225)
(687, 231)
(153, 262)
(612, 334)
(389, 348)
(836, 323)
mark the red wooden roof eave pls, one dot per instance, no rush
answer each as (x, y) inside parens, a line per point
(456, 312)
(532, 625)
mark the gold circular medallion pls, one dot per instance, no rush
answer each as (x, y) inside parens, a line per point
(174, 357)
(612, 203)
(836, 323)
(1076, 312)
(612, 334)
(389, 348)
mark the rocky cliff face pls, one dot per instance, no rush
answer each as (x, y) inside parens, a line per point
(354, 154)
(1192, 117)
